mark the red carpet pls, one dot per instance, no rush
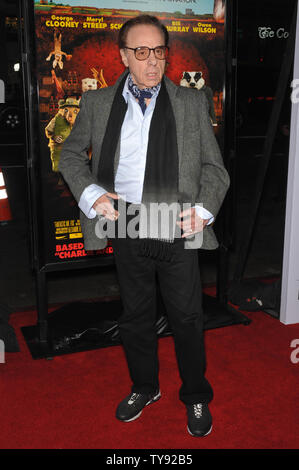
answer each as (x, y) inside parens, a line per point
(69, 402)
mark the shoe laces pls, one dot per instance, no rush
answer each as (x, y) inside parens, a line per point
(197, 410)
(133, 398)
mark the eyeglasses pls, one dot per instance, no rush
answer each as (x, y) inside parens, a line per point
(143, 52)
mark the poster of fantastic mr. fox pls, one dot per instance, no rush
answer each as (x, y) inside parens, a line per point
(76, 50)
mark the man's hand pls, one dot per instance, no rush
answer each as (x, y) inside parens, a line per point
(191, 223)
(104, 207)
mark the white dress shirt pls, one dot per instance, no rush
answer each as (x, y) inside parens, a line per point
(131, 168)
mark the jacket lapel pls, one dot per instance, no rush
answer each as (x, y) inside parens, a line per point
(105, 104)
(179, 114)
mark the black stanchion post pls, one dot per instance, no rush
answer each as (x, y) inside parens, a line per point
(229, 206)
(32, 149)
(42, 306)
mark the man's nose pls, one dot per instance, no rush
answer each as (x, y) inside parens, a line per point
(152, 57)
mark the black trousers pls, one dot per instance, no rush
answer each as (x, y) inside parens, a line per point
(180, 286)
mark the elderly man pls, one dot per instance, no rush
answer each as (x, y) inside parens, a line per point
(152, 142)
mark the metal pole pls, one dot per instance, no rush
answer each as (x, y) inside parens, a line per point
(32, 146)
(42, 306)
(229, 206)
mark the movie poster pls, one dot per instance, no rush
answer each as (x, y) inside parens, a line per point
(76, 43)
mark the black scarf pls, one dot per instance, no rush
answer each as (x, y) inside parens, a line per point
(161, 171)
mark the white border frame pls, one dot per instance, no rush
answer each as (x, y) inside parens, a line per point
(289, 307)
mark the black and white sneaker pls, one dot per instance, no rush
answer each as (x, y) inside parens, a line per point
(131, 407)
(199, 419)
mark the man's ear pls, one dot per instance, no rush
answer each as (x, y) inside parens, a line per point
(124, 57)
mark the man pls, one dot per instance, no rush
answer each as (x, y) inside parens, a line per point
(152, 141)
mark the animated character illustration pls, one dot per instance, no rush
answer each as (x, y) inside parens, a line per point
(68, 87)
(89, 84)
(92, 83)
(196, 81)
(71, 109)
(58, 53)
(60, 127)
(58, 84)
(219, 10)
(99, 76)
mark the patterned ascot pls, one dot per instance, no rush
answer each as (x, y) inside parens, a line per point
(142, 94)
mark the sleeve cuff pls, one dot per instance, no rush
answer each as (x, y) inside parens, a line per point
(88, 198)
(204, 214)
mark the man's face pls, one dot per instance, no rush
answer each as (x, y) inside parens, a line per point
(145, 73)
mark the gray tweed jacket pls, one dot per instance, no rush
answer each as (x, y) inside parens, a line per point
(202, 175)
